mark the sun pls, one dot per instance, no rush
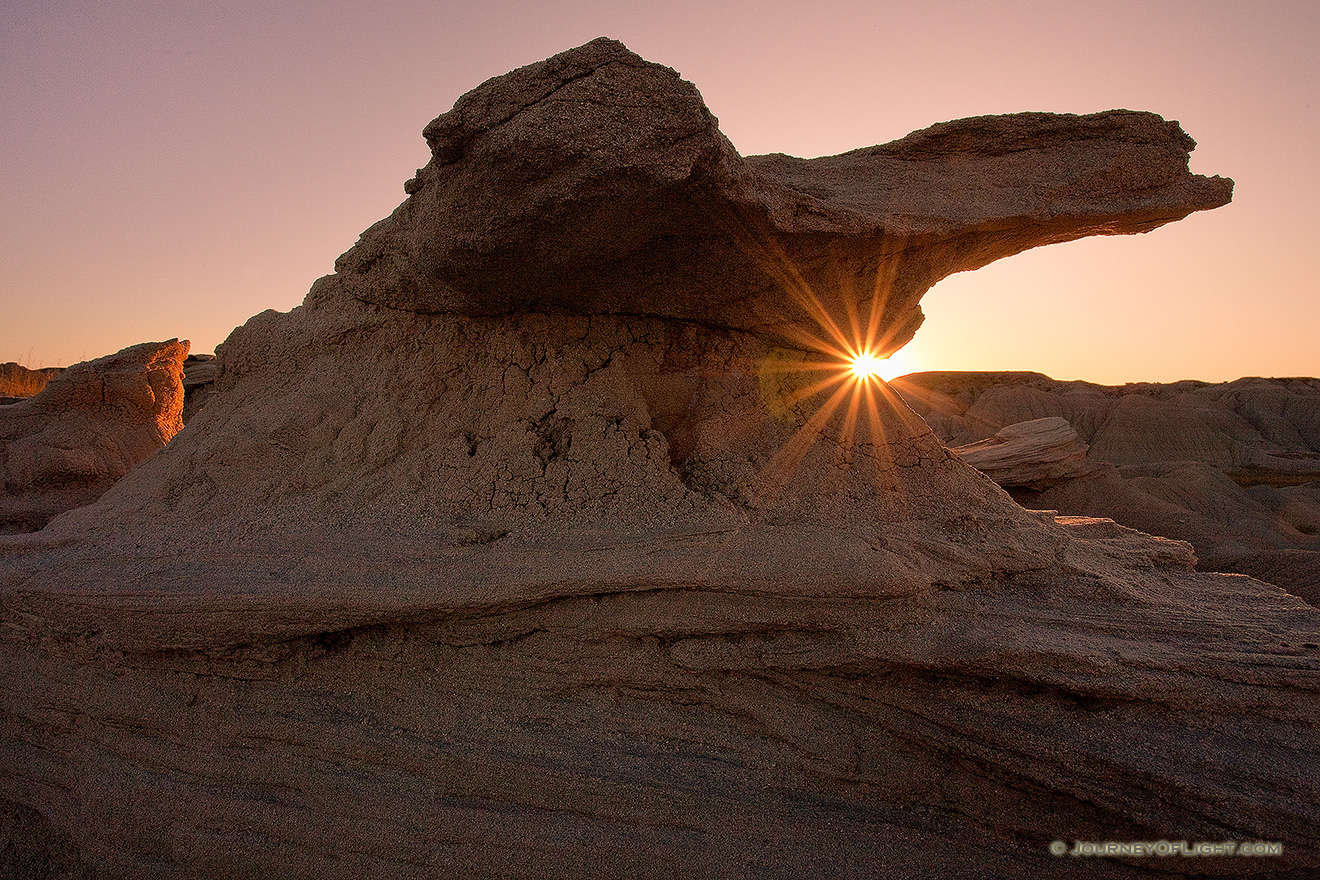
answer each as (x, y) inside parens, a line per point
(865, 366)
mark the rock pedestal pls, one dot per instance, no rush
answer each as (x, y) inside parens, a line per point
(550, 536)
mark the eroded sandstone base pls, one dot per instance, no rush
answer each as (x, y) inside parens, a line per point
(580, 585)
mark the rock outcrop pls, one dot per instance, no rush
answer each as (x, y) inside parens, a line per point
(18, 382)
(477, 564)
(1233, 468)
(199, 372)
(91, 424)
(599, 183)
(1036, 454)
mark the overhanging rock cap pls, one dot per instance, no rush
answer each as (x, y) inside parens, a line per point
(598, 182)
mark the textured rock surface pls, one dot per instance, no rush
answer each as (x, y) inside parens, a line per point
(598, 182)
(17, 381)
(1233, 468)
(547, 594)
(1297, 571)
(88, 427)
(199, 372)
(1036, 454)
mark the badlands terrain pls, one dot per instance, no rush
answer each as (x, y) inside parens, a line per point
(551, 536)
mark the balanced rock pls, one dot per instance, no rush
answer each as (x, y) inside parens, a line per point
(90, 425)
(597, 182)
(482, 563)
(1036, 454)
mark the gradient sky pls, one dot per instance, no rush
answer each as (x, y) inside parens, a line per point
(172, 168)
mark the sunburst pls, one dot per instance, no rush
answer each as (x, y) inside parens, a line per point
(847, 361)
(865, 366)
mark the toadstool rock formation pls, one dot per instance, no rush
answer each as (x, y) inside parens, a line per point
(537, 542)
(87, 427)
(599, 183)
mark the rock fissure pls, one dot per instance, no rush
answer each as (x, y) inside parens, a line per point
(431, 134)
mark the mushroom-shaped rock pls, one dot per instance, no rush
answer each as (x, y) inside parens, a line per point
(525, 546)
(598, 182)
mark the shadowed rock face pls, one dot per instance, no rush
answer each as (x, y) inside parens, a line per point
(599, 183)
(90, 425)
(473, 566)
(199, 372)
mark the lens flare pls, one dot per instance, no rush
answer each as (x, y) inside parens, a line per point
(865, 366)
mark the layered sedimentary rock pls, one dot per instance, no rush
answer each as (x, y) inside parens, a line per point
(90, 425)
(1036, 454)
(1233, 468)
(478, 564)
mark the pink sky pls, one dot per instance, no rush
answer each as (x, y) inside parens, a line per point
(172, 168)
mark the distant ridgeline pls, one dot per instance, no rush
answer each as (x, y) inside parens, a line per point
(1233, 468)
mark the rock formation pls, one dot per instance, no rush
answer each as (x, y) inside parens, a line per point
(199, 372)
(537, 543)
(599, 183)
(1233, 468)
(91, 424)
(18, 382)
(1036, 454)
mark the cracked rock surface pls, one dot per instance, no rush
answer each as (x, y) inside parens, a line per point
(87, 427)
(568, 585)
(598, 182)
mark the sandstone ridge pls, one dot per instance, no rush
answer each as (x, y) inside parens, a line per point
(1036, 454)
(1232, 467)
(18, 382)
(479, 564)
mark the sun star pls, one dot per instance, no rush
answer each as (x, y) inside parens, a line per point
(865, 366)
